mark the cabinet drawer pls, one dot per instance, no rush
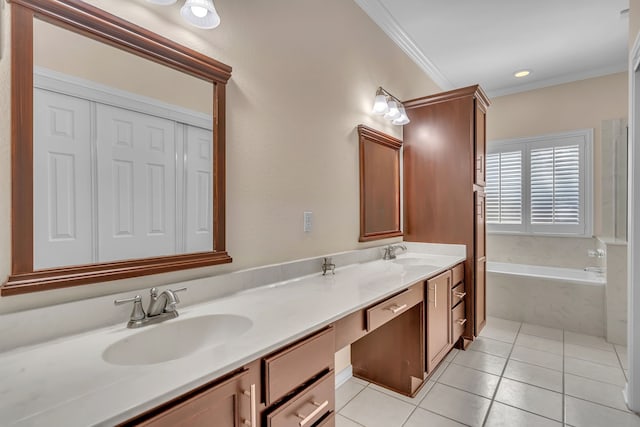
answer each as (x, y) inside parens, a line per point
(457, 294)
(308, 407)
(288, 369)
(330, 421)
(459, 320)
(381, 313)
(457, 274)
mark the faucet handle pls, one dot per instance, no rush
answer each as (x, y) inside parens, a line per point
(138, 312)
(178, 290)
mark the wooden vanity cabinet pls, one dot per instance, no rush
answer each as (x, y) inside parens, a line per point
(299, 382)
(231, 402)
(444, 179)
(458, 296)
(438, 301)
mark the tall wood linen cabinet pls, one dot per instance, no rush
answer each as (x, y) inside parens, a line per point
(444, 180)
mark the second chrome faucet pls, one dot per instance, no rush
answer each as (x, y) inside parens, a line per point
(162, 306)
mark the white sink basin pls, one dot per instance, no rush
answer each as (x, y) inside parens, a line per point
(417, 262)
(175, 339)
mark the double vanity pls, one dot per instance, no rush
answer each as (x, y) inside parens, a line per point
(259, 356)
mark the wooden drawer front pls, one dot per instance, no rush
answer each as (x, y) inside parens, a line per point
(457, 274)
(459, 320)
(308, 407)
(219, 403)
(457, 294)
(330, 421)
(287, 370)
(381, 313)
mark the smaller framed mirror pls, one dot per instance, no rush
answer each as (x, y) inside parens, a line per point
(379, 185)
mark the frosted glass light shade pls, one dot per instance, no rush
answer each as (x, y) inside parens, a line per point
(163, 2)
(393, 112)
(403, 119)
(380, 106)
(200, 13)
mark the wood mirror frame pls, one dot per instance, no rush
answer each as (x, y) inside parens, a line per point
(379, 185)
(89, 21)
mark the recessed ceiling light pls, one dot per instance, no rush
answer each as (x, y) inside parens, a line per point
(522, 73)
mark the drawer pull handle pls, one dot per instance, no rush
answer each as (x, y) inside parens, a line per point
(435, 296)
(252, 396)
(460, 294)
(396, 309)
(307, 418)
(461, 321)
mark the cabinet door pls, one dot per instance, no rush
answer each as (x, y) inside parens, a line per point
(480, 145)
(480, 245)
(481, 301)
(232, 403)
(438, 295)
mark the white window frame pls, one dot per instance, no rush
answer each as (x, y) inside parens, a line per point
(585, 228)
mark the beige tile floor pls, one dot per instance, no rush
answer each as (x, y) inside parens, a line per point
(514, 374)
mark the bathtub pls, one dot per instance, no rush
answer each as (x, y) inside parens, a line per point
(566, 298)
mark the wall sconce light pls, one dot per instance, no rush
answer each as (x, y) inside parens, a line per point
(199, 13)
(391, 107)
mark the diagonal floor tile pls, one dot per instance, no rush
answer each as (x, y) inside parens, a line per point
(346, 392)
(470, 380)
(536, 357)
(422, 418)
(533, 399)
(501, 415)
(345, 422)
(481, 361)
(541, 344)
(412, 400)
(490, 346)
(455, 404)
(592, 354)
(534, 375)
(374, 409)
(542, 332)
(587, 341)
(622, 355)
(586, 414)
(594, 391)
(594, 371)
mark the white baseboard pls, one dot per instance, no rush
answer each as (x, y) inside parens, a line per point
(344, 375)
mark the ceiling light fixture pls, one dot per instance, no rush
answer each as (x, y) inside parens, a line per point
(521, 73)
(390, 106)
(199, 13)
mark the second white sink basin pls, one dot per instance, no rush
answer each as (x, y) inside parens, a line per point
(175, 339)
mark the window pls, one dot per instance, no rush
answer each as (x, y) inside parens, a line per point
(541, 185)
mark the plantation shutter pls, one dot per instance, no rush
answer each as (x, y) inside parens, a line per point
(504, 187)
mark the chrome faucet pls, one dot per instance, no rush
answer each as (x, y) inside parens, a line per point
(161, 307)
(390, 251)
(164, 303)
(327, 265)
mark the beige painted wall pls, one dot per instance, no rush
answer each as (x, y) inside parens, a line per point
(304, 76)
(64, 51)
(576, 105)
(634, 21)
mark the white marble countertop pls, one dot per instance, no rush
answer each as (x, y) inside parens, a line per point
(67, 382)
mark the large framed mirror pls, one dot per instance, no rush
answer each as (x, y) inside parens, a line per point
(118, 150)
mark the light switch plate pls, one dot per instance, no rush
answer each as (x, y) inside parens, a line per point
(307, 221)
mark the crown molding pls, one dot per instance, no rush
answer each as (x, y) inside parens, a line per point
(381, 16)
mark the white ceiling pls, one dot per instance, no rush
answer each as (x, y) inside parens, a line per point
(463, 42)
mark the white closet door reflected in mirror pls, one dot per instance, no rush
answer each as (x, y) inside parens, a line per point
(114, 183)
